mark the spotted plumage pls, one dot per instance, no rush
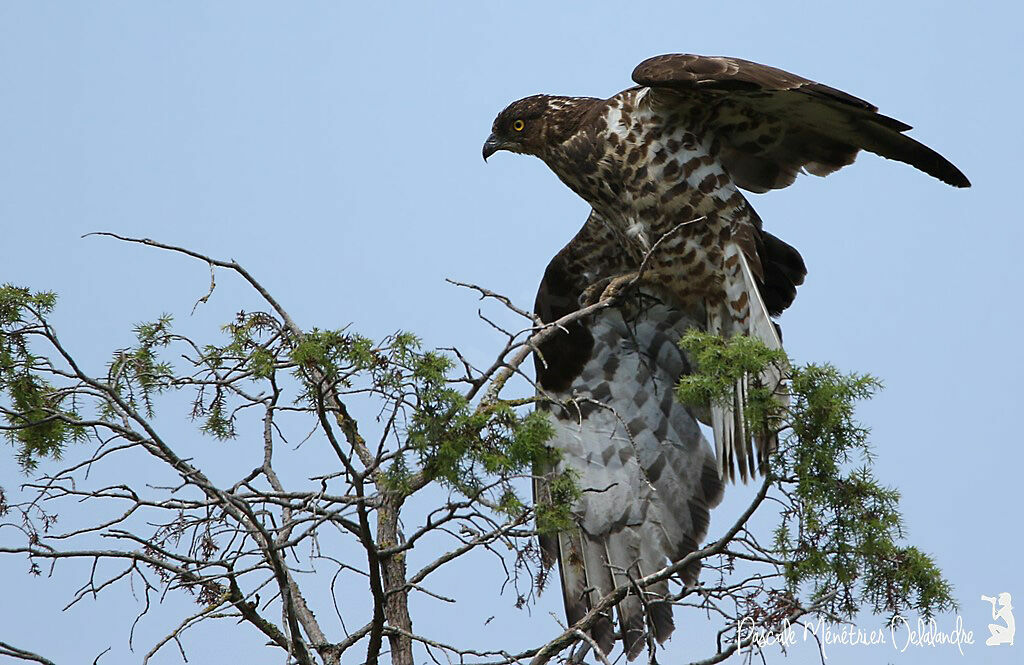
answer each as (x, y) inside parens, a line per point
(673, 239)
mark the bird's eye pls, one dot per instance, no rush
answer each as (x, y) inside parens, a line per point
(518, 125)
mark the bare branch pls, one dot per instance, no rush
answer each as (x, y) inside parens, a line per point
(21, 654)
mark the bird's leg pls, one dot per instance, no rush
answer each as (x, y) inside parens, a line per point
(620, 285)
(608, 289)
(592, 293)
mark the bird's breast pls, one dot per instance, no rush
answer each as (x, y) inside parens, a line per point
(651, 172)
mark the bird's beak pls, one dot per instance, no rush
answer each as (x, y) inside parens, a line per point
(492, 145)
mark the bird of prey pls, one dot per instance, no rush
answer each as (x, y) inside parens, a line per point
(675, 243)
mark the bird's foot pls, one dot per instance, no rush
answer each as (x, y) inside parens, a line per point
(609, 289)
(592, 294)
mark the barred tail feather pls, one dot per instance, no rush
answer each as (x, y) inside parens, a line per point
(732, 440)
(620, 553)
(763, 328)
(760, 323)
(651, 474)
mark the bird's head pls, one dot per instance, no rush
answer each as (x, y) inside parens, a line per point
(531, 124)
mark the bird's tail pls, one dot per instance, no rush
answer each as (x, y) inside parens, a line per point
(743, 313)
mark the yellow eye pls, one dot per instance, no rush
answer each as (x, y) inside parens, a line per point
(518, 125)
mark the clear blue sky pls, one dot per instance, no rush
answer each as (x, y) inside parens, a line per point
(334, 149)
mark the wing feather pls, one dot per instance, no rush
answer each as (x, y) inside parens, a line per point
(773, 124)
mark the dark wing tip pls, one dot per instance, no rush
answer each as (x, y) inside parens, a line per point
(897, 145)
(958, 179)
(885, 136)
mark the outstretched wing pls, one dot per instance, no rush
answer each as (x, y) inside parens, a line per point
(773, 124)
(649, 476)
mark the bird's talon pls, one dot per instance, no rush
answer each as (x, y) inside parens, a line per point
(594, 293)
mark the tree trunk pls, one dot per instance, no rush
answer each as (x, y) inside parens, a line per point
(392, 568)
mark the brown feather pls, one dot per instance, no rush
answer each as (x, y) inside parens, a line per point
(822, 128)
(660, 165)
